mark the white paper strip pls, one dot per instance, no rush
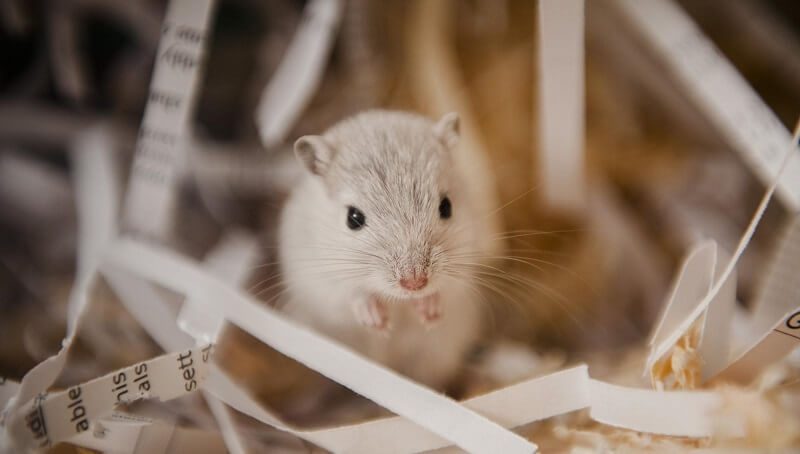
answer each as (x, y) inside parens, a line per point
(561, 103)
(300, 72)
(688, 414)
(692, 283)
(231, 260)
(719, 91)
(160, 154)
(715, 338)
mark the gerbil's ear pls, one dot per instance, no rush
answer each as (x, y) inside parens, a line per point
(446, 129)
(315, 153)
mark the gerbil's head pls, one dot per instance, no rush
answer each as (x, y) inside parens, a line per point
(392, 199)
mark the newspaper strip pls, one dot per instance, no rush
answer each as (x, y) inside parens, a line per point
(719, 91)
(561, 103)
(58, 416)
(160, 151)
(300, 72)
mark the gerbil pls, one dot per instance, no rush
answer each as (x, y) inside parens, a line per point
(378, 241)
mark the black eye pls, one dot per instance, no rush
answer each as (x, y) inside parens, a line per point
(355, 218)
(445, 209)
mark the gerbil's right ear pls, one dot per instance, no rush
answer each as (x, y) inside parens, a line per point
(446, 129)
(315, 153)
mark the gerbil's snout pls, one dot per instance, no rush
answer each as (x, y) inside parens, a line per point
(412, 270)
(415, 281)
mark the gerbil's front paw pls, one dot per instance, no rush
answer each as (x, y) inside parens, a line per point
(429, 309)
(372, 313)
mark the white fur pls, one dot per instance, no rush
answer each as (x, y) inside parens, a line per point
(395, 167)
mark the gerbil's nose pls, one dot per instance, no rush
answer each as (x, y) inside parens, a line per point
(414, 282)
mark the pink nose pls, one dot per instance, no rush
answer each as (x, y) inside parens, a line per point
(414, 282)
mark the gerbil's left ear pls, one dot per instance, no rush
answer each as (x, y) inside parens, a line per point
(446, 129)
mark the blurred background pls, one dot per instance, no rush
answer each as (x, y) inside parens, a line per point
(588, 286)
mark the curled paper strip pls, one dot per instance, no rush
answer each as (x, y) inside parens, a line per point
(59, 416)
(722, 291)
(294, 82)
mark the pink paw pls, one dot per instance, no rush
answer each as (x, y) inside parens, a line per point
(428, 308)
(372, 313)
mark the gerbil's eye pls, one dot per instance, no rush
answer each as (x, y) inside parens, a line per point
(355, 218)
(445, 209)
